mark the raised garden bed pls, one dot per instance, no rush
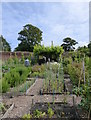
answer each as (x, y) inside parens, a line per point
(20, 90)
(59, 109)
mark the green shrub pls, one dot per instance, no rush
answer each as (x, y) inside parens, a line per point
(65, 69)
(67, 61)
(77, 90)
(23, 72)
(22, 58)
(74, 71)
(15, 59)
(38, 68)
(52, 52)
(12, 78)
(16, 76)
(5, 86)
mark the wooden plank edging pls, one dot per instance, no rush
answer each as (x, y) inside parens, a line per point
(31, 87)
(8, 111)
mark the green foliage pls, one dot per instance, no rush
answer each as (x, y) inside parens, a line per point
(50, 112)
(22, 58)
(83, 50)
(86, 97)
(37, 71)
(10, 61)
(14, 77)
(52, 52)
(27, 117)
(38, 68)
(89, 47)
(76, 73)
(15, 59)
(53, 78)
(5, 86)
(2, 107)
(23, 72)
(37, 74)
(5, 45)
(38, 114)
(29, 58)
(77, 91)
(69, 44)
(29, 36)
(26, 85)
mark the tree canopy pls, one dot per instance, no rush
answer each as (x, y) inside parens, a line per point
(89, 47)
(4, 44)
(29, 37)
(83, 50)
(52, 52)
(68, 44)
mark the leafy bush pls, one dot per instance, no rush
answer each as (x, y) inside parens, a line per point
(38, 71)
(23, 72)
(15, 77)
(5, 86)
(77, 91)
(52, 52)
(15, 59)
(38, 68)
(67, 61)
(74, 71)
(12, 78)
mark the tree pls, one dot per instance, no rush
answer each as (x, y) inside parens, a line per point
(29, 37)
(83, 50)
(89, 47)
(69, 44)
(4, 44)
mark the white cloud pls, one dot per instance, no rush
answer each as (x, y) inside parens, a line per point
(56, 20)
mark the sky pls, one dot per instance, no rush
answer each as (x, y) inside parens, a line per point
(57, 20)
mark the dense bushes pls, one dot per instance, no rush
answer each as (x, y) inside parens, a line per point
(80, 74)
(5, 86)
(52, 52)
(14, 77)
(74, 71)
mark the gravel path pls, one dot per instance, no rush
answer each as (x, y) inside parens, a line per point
(34, 89)
(23, 103)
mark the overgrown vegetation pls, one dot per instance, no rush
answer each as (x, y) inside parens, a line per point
(79, 69)
(14, 73)
(51, 53)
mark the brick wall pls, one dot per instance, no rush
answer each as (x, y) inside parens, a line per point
(6, 55)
